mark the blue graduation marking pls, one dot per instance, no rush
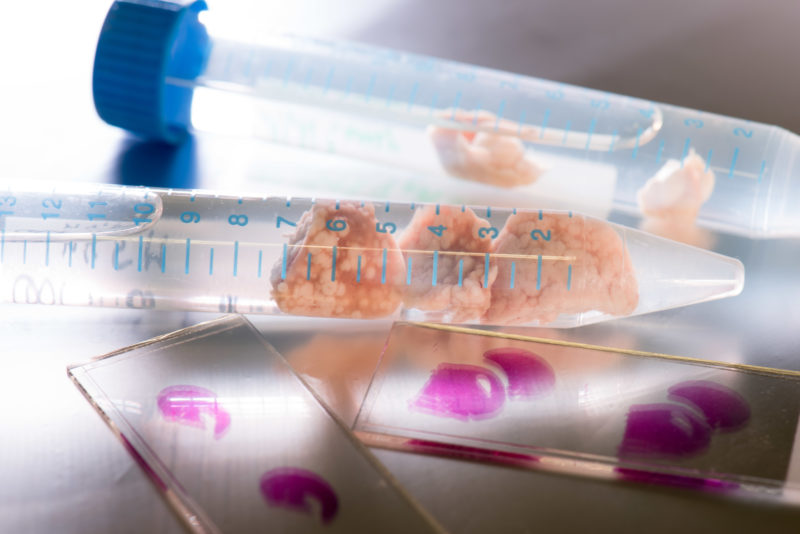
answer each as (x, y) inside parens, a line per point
(733, 162)
(433, 103)
(761, 172)
(116, 255)
(545, 120)
(413, 205)
(358, 270)
(69, 261)
(686, 146)
(333, 265)
(370, 87)
(283, 263)
(240, 200)
(211, 262)
(383, 268)
(2, 243)
(486, 270)
(567, 128)
(348, 87)
(477, 111)
(570, 214)
(488, 212)
(569, 277)
(24, 251)
(460, 272)
(540, 215)
(539, 273)
(456, 101)
(308, 267)
(613, 141)
(328, 80)
(500, 110)
(513, 271)
(288, 202)
(188, 247)
(260, 254)
(708, 160)
(139, 263)
(94, 248)
(592, 126)
(390, 96)
(463, 208)
(434, 276)
(288, 73)
(47, 250)
(514, 211)
(387, 207)
(413, 95)
(163, 258)
(636, 146)
(193, 197)
(337, 204)
(660, 151)
(408, 272)
(437, 209)
(235, 258)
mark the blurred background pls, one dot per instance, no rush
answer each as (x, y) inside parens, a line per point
(64, 471)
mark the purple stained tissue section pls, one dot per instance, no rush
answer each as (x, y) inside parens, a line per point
(664, 429)
(296, 489)
(460, 391)
(722, 407)
(187, 405)
(528, 374)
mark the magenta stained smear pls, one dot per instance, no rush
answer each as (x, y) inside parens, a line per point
(477, 454)
(292, 488)
(528, 374)
(722, 407)
(679, 481)
(663, 430)
(186, 405)
(455, 390)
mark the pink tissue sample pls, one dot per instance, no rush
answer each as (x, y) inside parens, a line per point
(528, 374)
(187, 405)
(601, 276)
(678, 190)
(467, 300)
(367, 291)
(294, 488)
(488, 157)
(461, 392)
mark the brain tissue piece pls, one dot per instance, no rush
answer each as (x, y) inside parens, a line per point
(492, 158)
(337, 265)
(461, 286)
(574, 265)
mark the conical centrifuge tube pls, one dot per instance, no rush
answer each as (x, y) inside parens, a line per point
(445, 118)
(169, 249)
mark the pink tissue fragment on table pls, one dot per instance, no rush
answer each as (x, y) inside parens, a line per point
(461, 392)
(296, 489)
(187, 405)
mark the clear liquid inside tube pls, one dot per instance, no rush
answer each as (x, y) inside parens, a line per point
(463, 122)
(348, 258)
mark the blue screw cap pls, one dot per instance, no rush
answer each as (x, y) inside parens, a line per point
(142, 43)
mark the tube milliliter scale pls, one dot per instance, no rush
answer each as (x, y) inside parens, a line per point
(445, 119)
